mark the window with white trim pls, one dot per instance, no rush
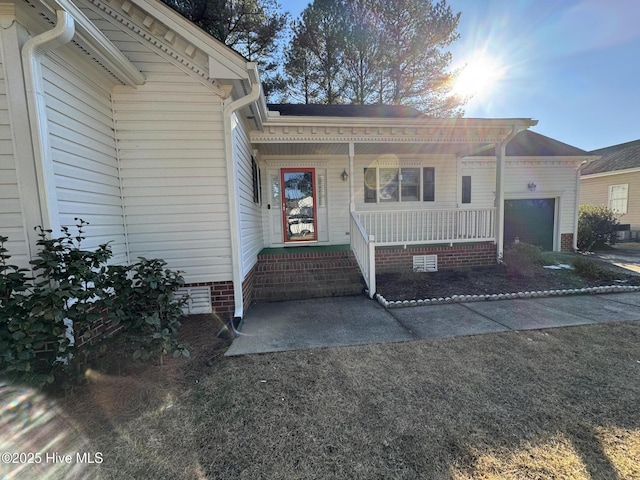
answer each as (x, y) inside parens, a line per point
(255, 174)
(618, 195)
(406, 184)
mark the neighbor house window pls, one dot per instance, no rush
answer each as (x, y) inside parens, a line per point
(466, 189)
(618, 195)
(396, 185)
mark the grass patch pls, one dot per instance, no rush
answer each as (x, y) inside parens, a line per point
(560, 403)
(591, 270)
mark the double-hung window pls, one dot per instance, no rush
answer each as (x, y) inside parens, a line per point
(405, 184)
(618, 196)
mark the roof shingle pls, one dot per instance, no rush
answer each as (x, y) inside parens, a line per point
(616, 157)
(532, 144)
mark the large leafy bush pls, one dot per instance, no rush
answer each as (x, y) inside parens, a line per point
(52, 323)
(596, 227)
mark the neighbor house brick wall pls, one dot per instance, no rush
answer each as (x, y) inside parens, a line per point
(458, 255)
(566, 242)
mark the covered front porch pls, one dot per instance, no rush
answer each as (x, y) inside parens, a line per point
(383, 182)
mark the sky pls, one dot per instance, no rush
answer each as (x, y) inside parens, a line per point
(573, 65)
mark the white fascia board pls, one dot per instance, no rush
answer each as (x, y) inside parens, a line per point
(91, 36)
(232, 65)
(308, 120)
(613, 172)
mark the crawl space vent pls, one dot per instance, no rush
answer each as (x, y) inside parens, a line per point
(199, 300)
(425, 263)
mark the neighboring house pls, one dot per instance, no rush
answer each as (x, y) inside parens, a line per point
(126, 115)
(614, 180)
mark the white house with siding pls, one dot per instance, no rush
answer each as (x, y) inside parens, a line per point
(124, 114)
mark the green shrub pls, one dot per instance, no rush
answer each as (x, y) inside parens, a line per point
(149, 315)
(43, 319)
(522, 259)
(596, 227)
(590, 270)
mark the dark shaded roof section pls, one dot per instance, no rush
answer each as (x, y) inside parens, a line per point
(532, 144)
(362, 111)
(616, 157)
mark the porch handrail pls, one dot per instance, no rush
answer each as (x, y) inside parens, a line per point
(406, 227)
(364, 249)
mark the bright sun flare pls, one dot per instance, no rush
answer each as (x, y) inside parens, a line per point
(477, 78)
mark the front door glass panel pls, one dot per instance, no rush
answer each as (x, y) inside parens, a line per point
(298, 205)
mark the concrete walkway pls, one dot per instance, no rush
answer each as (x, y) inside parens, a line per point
(342, 321)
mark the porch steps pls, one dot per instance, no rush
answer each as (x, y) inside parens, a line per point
(300, 275)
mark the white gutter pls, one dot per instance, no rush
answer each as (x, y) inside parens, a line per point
(32, 51)
(232, 188)
(110, 56)
(577, 205)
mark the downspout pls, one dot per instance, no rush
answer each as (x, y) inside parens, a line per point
(234, 223)
(577, 205)
(32, 50)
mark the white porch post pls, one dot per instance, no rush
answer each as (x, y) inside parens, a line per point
(499, 202)
(352, 198)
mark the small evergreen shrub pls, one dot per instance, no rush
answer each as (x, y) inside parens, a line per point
(522, 259)
(596, 227)
(44, 319)
(590, 270)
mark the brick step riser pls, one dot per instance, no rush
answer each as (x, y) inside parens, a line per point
(293, 278)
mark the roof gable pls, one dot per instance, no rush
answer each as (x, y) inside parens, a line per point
(179, 41)
(616, 157)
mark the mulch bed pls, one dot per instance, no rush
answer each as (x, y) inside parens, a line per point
(483, 280)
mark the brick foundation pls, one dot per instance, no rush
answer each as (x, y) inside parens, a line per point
(247, 288)
(458, 255)
(222, 298)
(99, 329)
(566, 242)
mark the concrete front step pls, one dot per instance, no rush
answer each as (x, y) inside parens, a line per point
(300, 276)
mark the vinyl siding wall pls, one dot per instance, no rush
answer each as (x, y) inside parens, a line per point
(11, 212)
(171, 145)
(596, 191)
(83, 151)
(170, 140)
(553, 179)
(250, 212)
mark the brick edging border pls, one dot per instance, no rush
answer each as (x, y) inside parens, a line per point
(505, 296)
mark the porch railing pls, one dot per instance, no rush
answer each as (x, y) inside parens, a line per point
(428, 226)
(363, 247)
